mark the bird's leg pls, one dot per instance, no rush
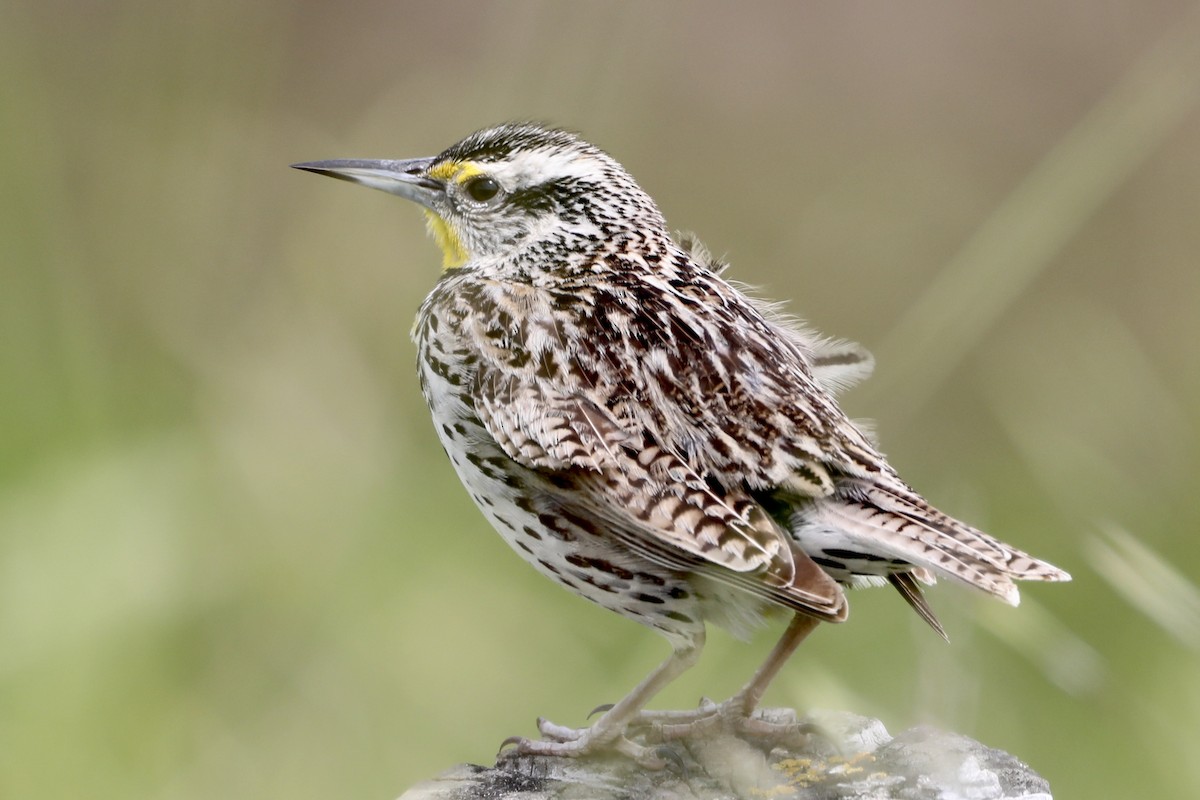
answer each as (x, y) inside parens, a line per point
(750, 695)
(737, 709)
(609, 730)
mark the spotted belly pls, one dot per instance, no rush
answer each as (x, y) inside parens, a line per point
(534, 515)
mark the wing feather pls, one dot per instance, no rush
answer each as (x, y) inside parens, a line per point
(650, 499)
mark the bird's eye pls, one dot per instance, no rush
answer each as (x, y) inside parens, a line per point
(482, 189)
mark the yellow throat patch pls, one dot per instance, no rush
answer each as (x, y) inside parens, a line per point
(454, 254)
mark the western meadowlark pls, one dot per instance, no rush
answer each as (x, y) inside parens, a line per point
(644, 433)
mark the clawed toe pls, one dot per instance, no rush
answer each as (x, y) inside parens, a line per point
(558, 733)
(581, 744)
(658, 719)
(600, 709)
(513, 742)
(731, 716)
(776, 731)
(653, 738)
(655, 758)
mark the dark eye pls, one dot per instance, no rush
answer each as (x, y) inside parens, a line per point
(482, 189)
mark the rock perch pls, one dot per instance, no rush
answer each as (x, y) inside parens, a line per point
(843, 755)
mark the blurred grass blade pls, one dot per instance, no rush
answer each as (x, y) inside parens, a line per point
(1066, 659)
(1148, 583)
(1024, 234)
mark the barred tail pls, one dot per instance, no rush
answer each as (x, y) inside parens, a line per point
(896, 522)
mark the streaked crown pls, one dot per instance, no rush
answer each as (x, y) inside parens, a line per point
(518, 185)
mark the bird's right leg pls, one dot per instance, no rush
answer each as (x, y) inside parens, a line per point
(609, 730)
(737, 709)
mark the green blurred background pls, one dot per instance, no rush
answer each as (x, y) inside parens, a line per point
(234, 561)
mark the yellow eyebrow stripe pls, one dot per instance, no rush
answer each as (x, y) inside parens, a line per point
(457, 171)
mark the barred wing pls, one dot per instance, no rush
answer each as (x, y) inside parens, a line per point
(649, 499)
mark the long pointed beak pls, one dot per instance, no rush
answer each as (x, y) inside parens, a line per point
(407, 178)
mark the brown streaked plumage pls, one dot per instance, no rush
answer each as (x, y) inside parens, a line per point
(640, 430)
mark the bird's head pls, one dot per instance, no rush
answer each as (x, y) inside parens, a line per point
(505, 188)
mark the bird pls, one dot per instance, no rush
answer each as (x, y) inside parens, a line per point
(648, 433)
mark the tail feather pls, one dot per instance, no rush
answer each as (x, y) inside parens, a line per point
(896, 522)
(910, 590)
(1013, 562)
